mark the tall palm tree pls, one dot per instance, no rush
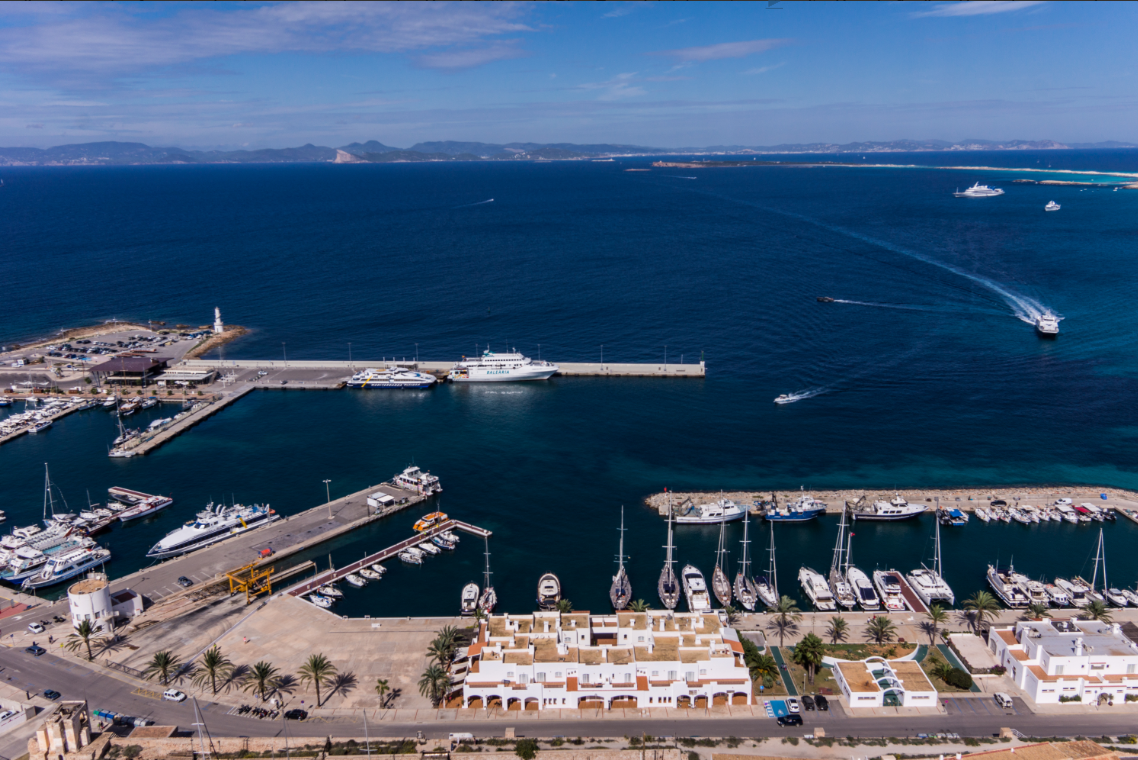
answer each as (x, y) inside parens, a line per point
(381, 688)
(638, 606)
(434, 684)
(731, 613)
(564, 606)
(1036, 612)
(881, 630)
(937, 616)
(439, 652)
(163, 665)
(764, 668)
(212, 666)
(317, 670)
(786, 616)
(448, 636)
(838, 630)
(261, 679)
(983, 607)
(84, 635)
(1097, 610)
(809, 653)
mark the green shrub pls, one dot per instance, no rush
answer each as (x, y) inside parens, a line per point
(526, 749)
(1075, 698)
(958, 678)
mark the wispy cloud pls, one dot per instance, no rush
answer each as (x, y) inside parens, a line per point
(619, 87)
(764, 69)
(620, 10)
(722, 50)
(470, 58)
(978, 7)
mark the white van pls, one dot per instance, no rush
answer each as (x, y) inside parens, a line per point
(173, 695)
(1003, 700)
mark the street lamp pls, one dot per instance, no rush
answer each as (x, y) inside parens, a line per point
(328, 493)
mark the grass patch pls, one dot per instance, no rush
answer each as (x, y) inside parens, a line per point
(933, 659)
(823, 678)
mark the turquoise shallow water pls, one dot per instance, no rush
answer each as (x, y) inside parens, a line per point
(927, 376)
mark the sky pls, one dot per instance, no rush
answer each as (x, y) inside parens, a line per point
(257, 75)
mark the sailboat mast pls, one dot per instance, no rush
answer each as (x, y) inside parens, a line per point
(773, 575)
(836, 563)
(1099, 557)
(487, 583)
(620, 555)
(719, 550)
(936, 559)
(746, 520)
(668, 561)
(47, 493)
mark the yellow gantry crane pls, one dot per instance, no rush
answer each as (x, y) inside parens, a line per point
(251, 581)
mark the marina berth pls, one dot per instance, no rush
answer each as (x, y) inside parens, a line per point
(497, 368)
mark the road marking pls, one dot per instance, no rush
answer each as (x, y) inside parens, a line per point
(147, 693)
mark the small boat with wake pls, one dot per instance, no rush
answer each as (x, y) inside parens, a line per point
(825, 299)
(1052, 206)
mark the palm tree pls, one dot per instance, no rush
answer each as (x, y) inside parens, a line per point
(983, 607)
(381, 688)
(213, 665)
(162, 664)
(1036, 612)
(434, 684)
(838, 630)
(937, 616)
(261, 679)
(731, 613)
(448, 636)
(439, 652)
(1097, 610)
(564, 606)
(786, 617)
(809, 653)
(764, 668)
(639, 606)
(881, 630)
(317, 670)
(940, 669)
(83, 636)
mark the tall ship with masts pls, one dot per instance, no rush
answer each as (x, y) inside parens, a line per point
(929, 584)
(489, 599)
(620, 593)
(745, 589)
(668, 587)
(767, 585)
(719, 583)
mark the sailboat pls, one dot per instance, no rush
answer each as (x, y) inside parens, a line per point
(489, 599)
(719, 583)
(745, 590)
(767, 585)
(668, 587)
(1113, 595)
(928, 584)
(839, 583)
(621, 592)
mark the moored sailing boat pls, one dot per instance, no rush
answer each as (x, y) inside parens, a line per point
(489, 599)
(840, 587)
(620, 593)
(719, 582)
(767, 585)
(745, 589)
(668, 587)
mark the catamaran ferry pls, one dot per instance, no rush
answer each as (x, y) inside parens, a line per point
(497, 368)
(212, 524)
(392, 377)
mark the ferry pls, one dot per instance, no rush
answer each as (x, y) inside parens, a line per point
(1047, 324)
(803, 508)
(695, 589)
(67, 565)
(497, 368)
(816, 588)
(979, 191)
(211, 525)
(1005, 587)
(431, 520)
(391, 377)
(414, 479)
(721, 511)
(894, 509)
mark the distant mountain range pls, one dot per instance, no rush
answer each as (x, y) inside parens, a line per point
(122, 153)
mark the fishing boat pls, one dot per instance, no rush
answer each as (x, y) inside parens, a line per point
(429, 521)
(469, 599)
(894, 509)
(668, 586)
(213, 524)
(489, 599)
(66, 565)
(330, 590)
(355, 580)
(695, 589)
(767, 585)
(548, 591)
(719, 583)
(620, 593)
(370, 574)
(323, 602)
(840, 588)
(745, 590)
(723, 510)
(929, 584)
(816, 589)
(802, 509)
(1005, 587)
(888, 583)
(1057, 597)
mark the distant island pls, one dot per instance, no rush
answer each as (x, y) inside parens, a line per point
(372, 151)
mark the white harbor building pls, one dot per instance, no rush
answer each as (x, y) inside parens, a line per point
(1050, 659)
(877, 682)
(551, 660)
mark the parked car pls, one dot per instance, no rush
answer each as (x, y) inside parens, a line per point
(999, 503)
(790, 720)
(1003, 700)
(51, 694)
(184, 582)
(173, 695)
(35, 650)
(297, 714)
(808, 703)
(821, 703)
(6, 714)
(793, 706)
(36, 627)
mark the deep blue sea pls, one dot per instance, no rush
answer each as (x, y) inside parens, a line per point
(926, 376)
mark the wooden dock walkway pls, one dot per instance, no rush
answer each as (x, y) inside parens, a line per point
(910, 596)
(331, 576)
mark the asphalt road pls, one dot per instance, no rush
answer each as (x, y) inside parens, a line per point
(75, 681)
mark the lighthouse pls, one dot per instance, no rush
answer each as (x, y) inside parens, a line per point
(218, 328)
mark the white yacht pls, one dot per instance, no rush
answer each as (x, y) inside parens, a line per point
(888, 583)
(1047, 324)
(1052, 206)
(1005, 587)
(469, 598)
(355, 580)
(930, 585)
(371, 575)
(26, 561)
(414, 479)
(1076, 593)
(721, 511)
(411, 558)
(1057, 595)
(211, 525)
(67, 565)
(548, 592)
(816, 588)
(323, 602)
(894, 509)
(863, 589)
(391, 377)
(695, 589)
(497, 368)
(145, 508)
(979, 191)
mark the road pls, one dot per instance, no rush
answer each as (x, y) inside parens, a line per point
(966, 716)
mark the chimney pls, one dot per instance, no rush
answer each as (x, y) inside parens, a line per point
(1079, 646)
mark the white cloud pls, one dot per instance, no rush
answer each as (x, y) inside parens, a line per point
(764, 69)
(621, 10)
(722, 50)
(469, 58)
(978, 7)
(619, 87)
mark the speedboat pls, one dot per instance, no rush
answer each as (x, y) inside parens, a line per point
(1052, 206)
(1047, 324)
(548, 591)
(330, 591)
(695, 589)
(452, 537)
(379, 568)
(320, 601)
(825, 299)
(979, 191)
(982, 514)
(442, 543)
(783, 399)
(355, 580)
(370, 574)
(817, 589)
(145, 508)
(1116, 596)
(497, 368)
(469, 598)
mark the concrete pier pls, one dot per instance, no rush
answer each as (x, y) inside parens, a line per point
(346, 369)
(148, 443)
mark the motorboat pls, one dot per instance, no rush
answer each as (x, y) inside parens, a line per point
(469, 598)
(323, 602)
(213, 524)
(783, 399)
(149, 403)
(449, 536)
(66, 565)
(825, 299)
(1076, 593)
(951, 516)
(1067, 513)
(497, 368)
(804, 508)
(888, 583)
(1047, 324)
(1116, 596)
(355, 580)
(145, 508)
(1052, 206)
(429, 548)
(379, 568)
(1057, 596)
(982, 514)
(1131, 596)
(371, 575)
(723, 510)
(1035, 591)
(979, 191)
(1019, 516)
(431, 520)
(330, 590)
(391, 377)
(695, 589)
(414, 479)
(863, 589)
(1005, 587)
(816, 589)
(894, 509)
(1088, 589)
(442, 543)
(548, 591)
(409, 558)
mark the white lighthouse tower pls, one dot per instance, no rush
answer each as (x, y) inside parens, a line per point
(218, 328)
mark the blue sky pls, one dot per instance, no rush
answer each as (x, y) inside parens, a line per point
(660, 74)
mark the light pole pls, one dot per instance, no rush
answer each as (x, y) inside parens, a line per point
(285, 352)
(328, 493)
(665, 360)
(602, 356)
(416, 353)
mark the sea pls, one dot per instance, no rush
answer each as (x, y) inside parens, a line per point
(925, 372)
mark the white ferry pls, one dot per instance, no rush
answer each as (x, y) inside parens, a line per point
(67, 565)
(414, 479)
(979, 191)
(721, 511)
(695, 589)
(497, 368)
(1047, 324)
(392, 377)
(212, 524)
(817, 589)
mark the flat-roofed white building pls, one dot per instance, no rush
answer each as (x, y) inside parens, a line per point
(877, 682)
(1053, 659)
(548, 660)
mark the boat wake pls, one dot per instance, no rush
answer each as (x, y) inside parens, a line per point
(479, 203)
(790, 398)
(914, 307)
(676, 176)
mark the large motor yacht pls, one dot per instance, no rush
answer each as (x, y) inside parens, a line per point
(392, 377)
(817, 589)
(67, 565)
(1052, 206)
(211, 525)
(979, 191)
(1047, 324)
(1005, 587)
(548, 591)
(695, 589)
(497, 368)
